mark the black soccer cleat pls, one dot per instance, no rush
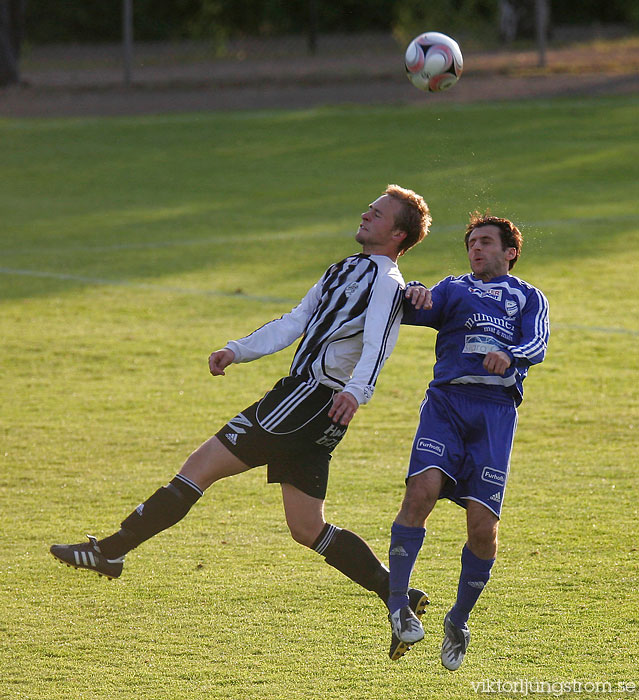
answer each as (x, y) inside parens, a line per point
(87, 555)
(417, 600)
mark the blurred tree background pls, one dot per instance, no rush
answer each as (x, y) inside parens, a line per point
(482, 23)
(100, 20)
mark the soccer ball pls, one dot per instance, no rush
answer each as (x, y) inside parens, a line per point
(433, 62)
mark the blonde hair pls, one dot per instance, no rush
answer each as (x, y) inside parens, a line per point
(413, 218)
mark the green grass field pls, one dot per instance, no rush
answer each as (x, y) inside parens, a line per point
(132, 248)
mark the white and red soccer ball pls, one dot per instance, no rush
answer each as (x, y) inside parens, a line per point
(433, 61)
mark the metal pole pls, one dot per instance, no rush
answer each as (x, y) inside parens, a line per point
(541, 21)
(312, 26)
(127, 40)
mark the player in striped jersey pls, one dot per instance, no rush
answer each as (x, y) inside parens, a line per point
(348, 323)
(491, 327)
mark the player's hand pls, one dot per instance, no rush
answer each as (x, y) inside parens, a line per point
(220, 360)
(419, 296)
(343, 408)
(496, 362)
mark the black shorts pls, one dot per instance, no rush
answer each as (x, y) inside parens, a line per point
(289, 430)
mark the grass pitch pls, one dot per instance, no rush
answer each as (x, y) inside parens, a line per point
(132, 248)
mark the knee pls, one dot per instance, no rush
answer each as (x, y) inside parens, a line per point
(210, 462)
(418, 502)
(198, 462)
(413, 512)
(305, 533)
(482, 538)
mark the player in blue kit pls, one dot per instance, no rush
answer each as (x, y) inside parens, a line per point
(491, 327)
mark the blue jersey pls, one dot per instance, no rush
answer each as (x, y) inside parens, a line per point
(473, 318)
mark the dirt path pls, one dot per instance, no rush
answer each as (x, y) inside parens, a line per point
(88, 81)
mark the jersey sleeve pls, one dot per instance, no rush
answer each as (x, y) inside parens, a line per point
(381, 329)
(427, 317)
(535, 331)
(278, 333)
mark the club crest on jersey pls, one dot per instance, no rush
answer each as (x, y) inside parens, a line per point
(481, 293)
(351, 289)
(511, 307)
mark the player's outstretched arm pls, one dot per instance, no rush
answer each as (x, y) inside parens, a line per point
(220, 360)
(423, 306)
(419, 296)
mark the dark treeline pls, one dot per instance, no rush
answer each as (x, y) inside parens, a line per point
(100, 20)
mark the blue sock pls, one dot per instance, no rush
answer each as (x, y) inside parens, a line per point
(404, 547)
(474, 576)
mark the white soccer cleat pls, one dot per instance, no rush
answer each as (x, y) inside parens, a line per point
(455, 644)
(406, 626)
(418, 600)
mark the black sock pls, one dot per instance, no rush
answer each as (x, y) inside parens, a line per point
(348, 553)
(164, 508)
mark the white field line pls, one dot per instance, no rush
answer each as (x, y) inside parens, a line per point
(139, 285)
(152, 245)
(81, 279)
(529, 227)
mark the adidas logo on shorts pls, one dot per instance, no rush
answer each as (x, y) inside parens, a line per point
(496, 497)
(232, 438)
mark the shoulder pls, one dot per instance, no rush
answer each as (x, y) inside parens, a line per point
(345, 262)
(452, 282)
(357, 263)
(460, 279)
(387, 271)
(513, 279)
(529, 290)
(440, 287)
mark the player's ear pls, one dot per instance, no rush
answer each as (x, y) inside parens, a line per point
(511, 253)
(399, 235)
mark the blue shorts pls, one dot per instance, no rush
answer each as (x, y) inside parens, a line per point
(470, 439)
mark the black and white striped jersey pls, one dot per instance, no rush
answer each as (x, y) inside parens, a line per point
(349, 323)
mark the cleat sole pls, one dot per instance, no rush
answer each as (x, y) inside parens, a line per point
(82, 568)
(401, 649)
(420, 608)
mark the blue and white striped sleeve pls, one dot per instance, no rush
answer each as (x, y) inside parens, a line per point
(427, 317)
(535, 328)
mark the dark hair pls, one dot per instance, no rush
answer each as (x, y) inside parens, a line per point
(413, 218)
(510, 235)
